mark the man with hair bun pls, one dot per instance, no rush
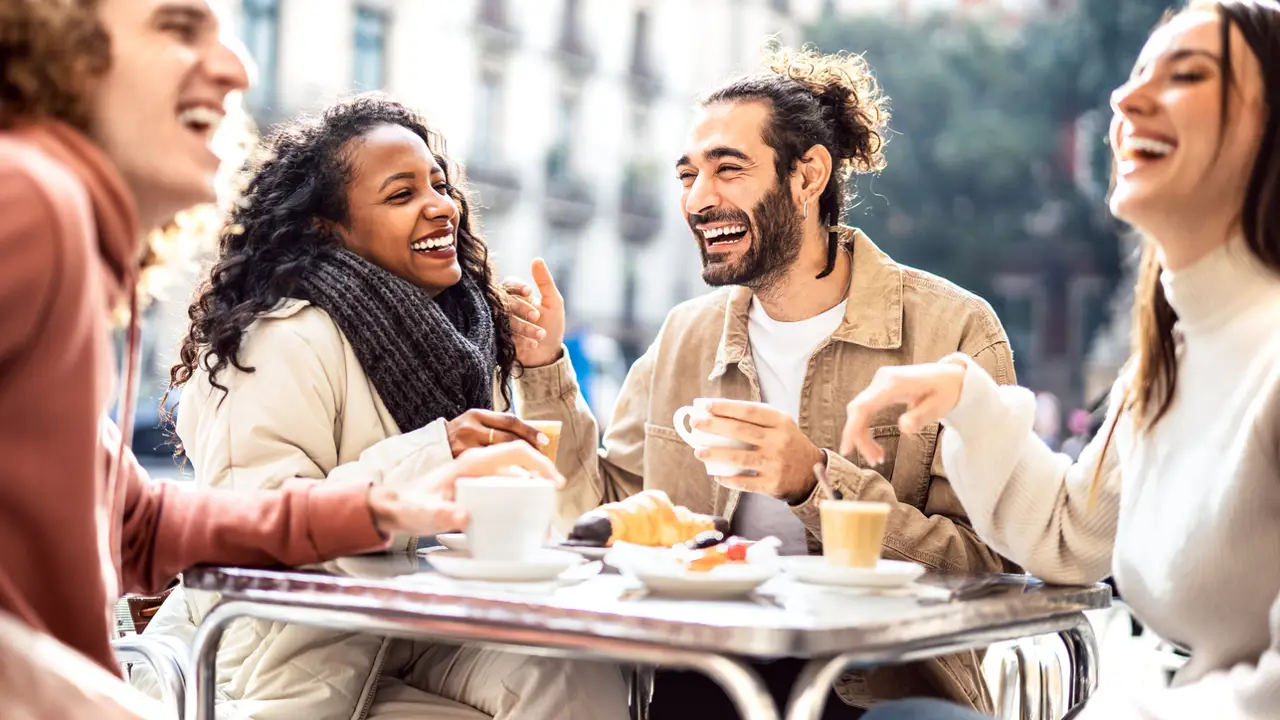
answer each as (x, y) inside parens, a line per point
(805, 313)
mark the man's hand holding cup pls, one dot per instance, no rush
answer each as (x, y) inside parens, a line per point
(751, 446)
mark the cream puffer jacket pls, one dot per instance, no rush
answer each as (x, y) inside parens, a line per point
(308, 410)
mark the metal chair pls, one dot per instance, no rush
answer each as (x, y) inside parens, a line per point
(167, 658)
(1028, 678)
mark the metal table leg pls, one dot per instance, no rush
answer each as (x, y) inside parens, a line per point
(204, 662)
(1082, 653)
(809, 694)
(642, 679)
(740, 683)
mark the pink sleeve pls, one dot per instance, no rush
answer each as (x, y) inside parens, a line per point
(167, 529)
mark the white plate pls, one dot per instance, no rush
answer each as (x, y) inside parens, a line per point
(724, 582)
(815, 569)
(623, 557)
(544, 565)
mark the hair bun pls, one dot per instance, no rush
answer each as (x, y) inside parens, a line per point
(850, 96)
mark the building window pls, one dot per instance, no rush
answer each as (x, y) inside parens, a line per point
(561, 166)
(571, 29)
(260, 31)
(493, 13)
(640, 64)
(489, 118)
(369, 71)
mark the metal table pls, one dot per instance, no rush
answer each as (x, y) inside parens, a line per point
(603, 619)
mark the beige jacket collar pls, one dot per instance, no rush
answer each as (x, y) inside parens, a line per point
(873, 313)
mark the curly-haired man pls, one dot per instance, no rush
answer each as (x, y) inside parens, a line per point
(107, 112)
(807, 311)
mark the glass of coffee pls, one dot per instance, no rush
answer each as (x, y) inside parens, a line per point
(550, 428)
(853, 531)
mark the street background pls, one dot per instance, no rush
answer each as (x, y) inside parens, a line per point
(567, 116)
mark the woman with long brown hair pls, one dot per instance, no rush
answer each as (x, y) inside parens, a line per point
(1179, 496)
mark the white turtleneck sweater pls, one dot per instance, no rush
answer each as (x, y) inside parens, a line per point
(1187, 518)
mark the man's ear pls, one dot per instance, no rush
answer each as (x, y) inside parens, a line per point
(813, 172)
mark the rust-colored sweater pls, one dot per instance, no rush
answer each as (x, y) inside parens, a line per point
(69, 243)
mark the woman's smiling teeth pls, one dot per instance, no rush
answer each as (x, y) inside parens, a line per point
(432, 244)
(1145, 148)
(723, 235)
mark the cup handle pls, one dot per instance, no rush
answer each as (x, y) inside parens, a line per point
(679, 419)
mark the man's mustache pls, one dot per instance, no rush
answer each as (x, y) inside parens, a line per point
(719, 216)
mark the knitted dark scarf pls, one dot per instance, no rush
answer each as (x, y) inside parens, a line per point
(428, 357)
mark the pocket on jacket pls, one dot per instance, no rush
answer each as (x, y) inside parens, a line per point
(908, 461)
(663, 432)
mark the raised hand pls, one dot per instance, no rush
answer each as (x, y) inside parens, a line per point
(781, 457)
(480, 428)
(537, 317)
(426, 506)
(929, 391)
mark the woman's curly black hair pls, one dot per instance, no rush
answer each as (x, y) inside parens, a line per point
(296, 192)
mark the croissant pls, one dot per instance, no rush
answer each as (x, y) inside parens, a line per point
(646, 518)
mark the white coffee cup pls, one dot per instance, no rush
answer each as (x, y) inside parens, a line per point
(700, 439)
(509, 516)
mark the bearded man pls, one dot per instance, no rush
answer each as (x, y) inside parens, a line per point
(804, 315)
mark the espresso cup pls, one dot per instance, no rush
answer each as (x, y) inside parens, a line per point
(508, 516)
(853, 531)
(550, 428)
(700, 439)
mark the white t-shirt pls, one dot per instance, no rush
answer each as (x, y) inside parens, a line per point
(781, 351)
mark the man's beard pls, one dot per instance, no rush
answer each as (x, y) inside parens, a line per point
(776, 237)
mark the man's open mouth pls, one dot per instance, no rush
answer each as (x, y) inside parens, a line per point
(201, 119)
(725, 235)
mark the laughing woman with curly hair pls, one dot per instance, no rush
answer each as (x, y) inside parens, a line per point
(350, 328)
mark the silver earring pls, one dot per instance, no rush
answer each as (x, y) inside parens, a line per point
(806, 209)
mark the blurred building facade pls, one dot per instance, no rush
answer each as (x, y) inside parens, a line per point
(567, 115)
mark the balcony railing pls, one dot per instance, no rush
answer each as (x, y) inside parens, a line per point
(569, 203)
(497, 185)
(641, 214)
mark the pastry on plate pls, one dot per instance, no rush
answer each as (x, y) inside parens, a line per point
(646, 518)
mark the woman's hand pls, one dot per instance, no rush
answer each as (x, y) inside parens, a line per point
(537, 323)
(929, 391)
(426, 506)
(481, 428)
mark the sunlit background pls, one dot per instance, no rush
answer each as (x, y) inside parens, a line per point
(568, 114)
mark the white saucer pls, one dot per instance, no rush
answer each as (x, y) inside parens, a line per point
(543, 565)
(720, 583)
(587, 551)
(815, 569)
(454, 541)
(458, 542)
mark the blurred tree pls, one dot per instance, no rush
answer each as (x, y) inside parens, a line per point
(972, 146)
(997, 162)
